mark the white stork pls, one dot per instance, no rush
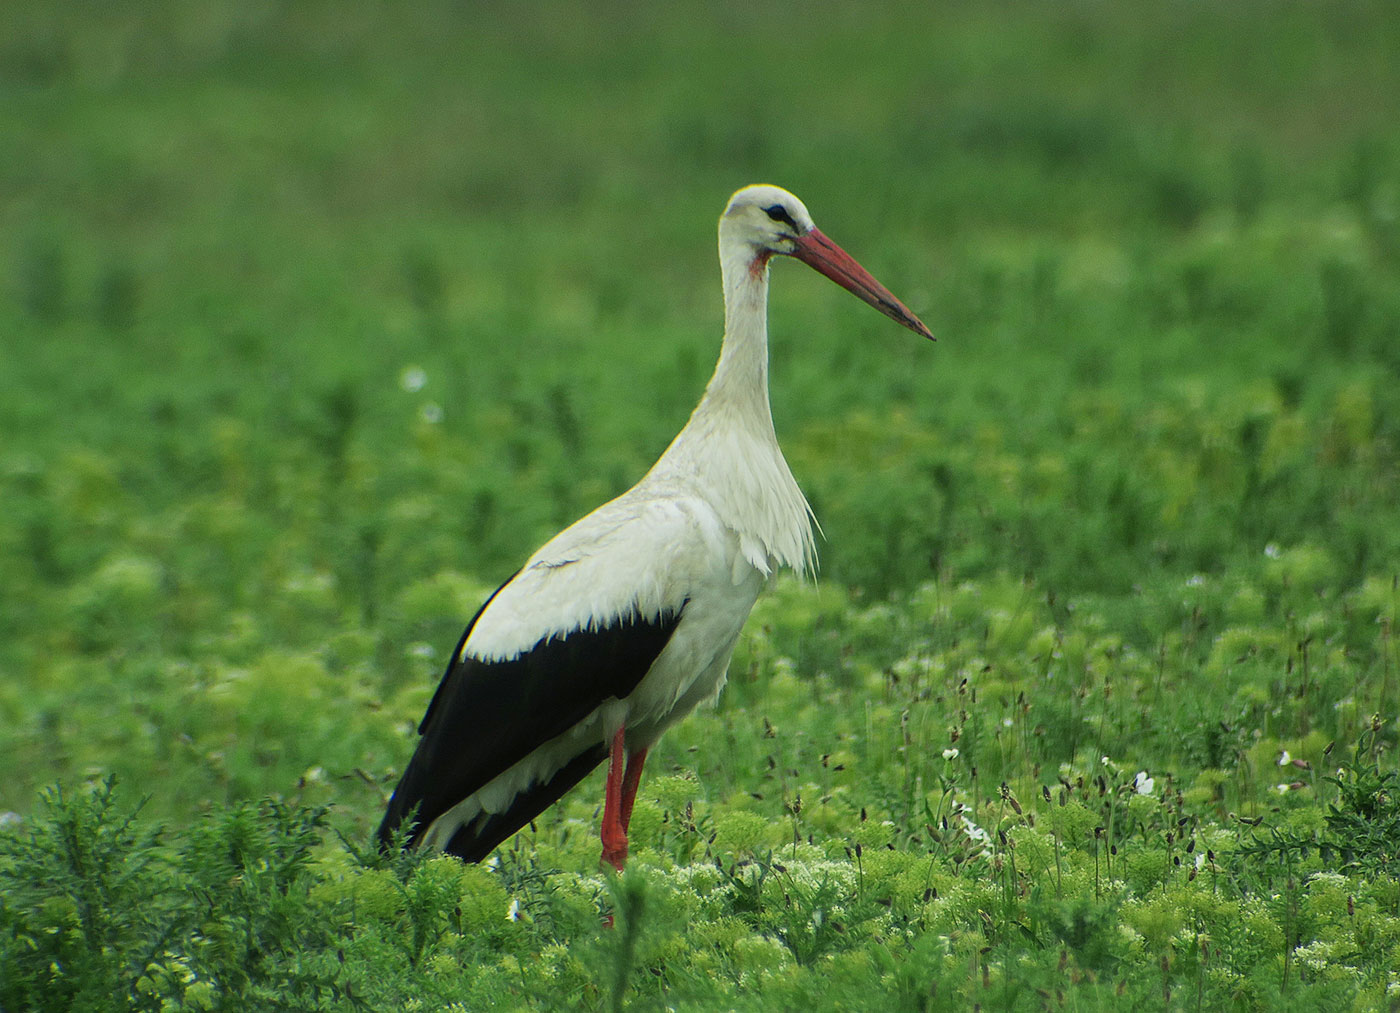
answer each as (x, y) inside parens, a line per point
(625, 621)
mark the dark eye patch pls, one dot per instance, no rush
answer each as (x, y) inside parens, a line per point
(780, 214)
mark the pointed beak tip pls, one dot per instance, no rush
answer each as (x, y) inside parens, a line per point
(919, 327)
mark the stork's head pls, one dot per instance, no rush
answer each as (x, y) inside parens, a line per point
(766, 220)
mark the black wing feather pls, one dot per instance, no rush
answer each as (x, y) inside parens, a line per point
(457, 654)
(472, 844)
(487, 716)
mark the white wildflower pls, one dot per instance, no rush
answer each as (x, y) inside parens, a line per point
(431, 413)
(513, 911)
(1272, 550)
(1285, 758)
(1142, 784)
(950, 753)
(413, 379)
(975, 833)
(1282, 789)
(1316, 956)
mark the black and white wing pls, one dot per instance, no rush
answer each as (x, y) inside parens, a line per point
(516, 721)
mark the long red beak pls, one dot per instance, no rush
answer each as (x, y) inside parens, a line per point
(818, 252)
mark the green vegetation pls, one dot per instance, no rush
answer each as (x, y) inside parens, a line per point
(317, 318)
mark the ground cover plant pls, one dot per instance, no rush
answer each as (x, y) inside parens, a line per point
(315, 319)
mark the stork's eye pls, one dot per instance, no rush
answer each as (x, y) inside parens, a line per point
(780, 214)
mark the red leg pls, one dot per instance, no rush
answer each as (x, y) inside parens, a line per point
(629, 785)
(614, 831)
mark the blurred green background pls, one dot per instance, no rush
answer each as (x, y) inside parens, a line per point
(316, 318)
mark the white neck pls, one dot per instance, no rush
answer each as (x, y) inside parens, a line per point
(740, 383)
(728, 451)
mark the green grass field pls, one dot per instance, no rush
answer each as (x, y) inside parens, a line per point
(315, 319)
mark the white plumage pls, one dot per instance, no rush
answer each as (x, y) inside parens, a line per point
(625, 621)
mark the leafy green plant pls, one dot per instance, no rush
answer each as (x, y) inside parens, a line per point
(100, 913)
(1361, 831)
